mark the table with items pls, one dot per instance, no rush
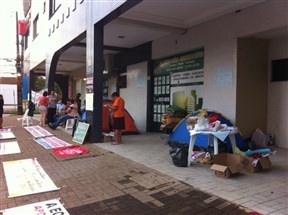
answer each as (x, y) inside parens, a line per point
(216, 135)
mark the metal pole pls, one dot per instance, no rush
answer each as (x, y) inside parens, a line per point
(19, 72)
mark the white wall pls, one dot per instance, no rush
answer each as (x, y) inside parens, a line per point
(135, 95)
(278, 96)
(9, 92)
(219, 39)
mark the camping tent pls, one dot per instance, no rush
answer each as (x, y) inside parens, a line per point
(180, 133)
(130, 127)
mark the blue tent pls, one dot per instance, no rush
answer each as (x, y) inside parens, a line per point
(180, 134)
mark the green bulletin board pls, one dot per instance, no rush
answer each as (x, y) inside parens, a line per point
(81, 132)
(178, 82)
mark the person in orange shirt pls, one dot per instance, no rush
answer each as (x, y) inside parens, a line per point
(118, 109)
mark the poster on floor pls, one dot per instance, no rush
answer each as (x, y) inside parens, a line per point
(51, 142)
(26, 177)
(49, 207)
(37, 131)
(7, 148)
(6, 133)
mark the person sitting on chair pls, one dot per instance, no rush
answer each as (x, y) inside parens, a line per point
(71, 112)
(60, 109)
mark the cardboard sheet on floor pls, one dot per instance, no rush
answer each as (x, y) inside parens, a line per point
(53, 206)
(9, 148)
(26, 177)
(51, 142)
(70, 151)
(37, 131)
(6, 134)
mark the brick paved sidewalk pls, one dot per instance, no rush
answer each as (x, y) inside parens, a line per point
(105, 183)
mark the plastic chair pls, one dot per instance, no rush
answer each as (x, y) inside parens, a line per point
(26, 119)
(70, 123)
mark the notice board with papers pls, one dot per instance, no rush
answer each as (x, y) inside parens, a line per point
(81, 132)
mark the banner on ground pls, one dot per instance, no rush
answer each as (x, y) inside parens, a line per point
(37, 131)
(9, 148)
(6, 133)
(50, 207)
(25, 177)
(51, 142)
(70, 151)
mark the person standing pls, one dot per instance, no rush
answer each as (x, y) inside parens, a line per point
(118, 122)
(78, 100)
(52, 104)
(1, 110)
(43, 107)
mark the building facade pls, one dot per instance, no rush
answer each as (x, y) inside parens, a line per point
(224, 61)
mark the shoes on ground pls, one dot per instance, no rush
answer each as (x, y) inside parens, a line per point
(51, 126)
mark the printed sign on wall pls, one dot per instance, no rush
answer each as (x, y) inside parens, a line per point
(178, 84)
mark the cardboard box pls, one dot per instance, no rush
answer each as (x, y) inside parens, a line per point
(225, 165)
(108, 137)
(259, 164)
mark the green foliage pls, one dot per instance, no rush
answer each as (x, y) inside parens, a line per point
(39, 83)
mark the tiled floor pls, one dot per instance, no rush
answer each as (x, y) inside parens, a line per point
(138, 177)
(265, 192)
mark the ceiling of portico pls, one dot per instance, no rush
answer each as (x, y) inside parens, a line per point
(151, 20)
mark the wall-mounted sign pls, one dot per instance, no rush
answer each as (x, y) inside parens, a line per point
(178, 83)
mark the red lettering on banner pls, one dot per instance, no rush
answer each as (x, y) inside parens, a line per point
(39, 210)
